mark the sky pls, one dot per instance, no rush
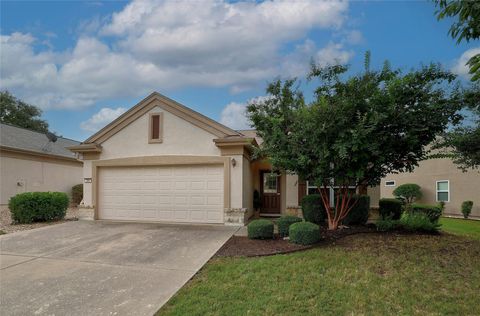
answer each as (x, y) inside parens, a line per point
(84, 63)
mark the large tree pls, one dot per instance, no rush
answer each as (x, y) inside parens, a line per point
(466, 25)
(18, 113)
(357, 129)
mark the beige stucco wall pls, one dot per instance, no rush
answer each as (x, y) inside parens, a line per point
(374, 194)
(247, 184)
(463, 185)
(291, 194)
(179, 138)
(37, 175)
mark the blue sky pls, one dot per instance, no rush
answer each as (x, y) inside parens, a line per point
(84, 63)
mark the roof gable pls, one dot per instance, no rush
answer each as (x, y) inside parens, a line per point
(156, 99)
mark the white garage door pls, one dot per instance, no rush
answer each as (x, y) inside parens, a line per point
(161, 193)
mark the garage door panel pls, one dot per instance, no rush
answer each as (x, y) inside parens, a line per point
(175, 193)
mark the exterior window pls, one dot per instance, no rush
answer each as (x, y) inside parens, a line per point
(270, 182)
(390, 183)
(312, 189)
(155, 128)
(443, 191)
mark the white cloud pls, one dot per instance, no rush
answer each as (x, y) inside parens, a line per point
(354, 37)
(165, 45)
(460, 67)
(234, 114)
(333, 54)
(101, 118)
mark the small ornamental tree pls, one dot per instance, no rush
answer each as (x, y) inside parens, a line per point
(357, 129)
(409, 192)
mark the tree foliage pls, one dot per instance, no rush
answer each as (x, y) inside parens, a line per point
(409, 192)
(357, 129)
(18, 113)
(466, 26)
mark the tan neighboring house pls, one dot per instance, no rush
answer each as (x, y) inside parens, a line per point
(440, 180)
(163, 162)
(30, 162)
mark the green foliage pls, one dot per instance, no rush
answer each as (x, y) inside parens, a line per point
(358, 215)
(284, 223)
(77, 193)
(466, 25)
(358, 128)
(38, 206)
(260, 229)
(417, 221)
(386, 224)
(312, 209)
(304, 233)
(390, 208)
(408, 192)
(18, 113)
(467, 208)
(433, 212)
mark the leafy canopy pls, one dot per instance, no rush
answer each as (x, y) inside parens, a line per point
(18, 113)
(465, 27)
(357, 129)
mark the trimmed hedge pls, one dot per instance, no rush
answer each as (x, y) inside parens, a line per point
(433, 212)
(358, 215)
(390, 208)
(467, 208)
(313, 209)
(284, 223)
(304, 233)
(260, 229)
(38, 206)
(77, 193)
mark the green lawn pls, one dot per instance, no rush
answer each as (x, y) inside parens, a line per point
(367, 274)
(469, 228)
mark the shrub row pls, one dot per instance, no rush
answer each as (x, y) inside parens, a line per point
(390, 208)
(303, 233)
(38, 206)
(284, 223)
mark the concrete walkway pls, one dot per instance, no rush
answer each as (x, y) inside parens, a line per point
(95, 268)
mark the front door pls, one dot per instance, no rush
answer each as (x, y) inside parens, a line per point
(270, 190)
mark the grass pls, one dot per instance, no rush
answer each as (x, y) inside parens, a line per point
(469, 228)
(367, 274)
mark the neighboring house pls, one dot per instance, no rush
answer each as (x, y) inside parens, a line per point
(440, 180)
(161, 161)
(30, 161)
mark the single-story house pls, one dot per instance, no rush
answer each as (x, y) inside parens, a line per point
(440, 180)
(161, 161)
(32, 161)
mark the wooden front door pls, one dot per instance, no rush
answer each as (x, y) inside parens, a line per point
(270, 191)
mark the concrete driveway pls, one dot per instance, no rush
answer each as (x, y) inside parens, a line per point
(98, 268)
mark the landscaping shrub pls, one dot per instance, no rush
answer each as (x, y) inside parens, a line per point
(358, 215)
(408, 192)
(313, 209)
(304, 233)
(467, 208)
(284, 223)
(386, 224)
(433, 212)
(390, 208)
(38, 206)
(77, 193)
(260, 229)
(417, 221)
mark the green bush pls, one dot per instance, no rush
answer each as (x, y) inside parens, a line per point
(390, 208)
(38, 206)
(260, 229)
(433, 212)
(386, 224)
(284, 223)
(77, 193)
(408, 192)
(417, 221)
(467, 208)
(313, 209)
(358, 215)
(304, 233)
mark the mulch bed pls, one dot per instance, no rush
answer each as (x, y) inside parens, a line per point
(239, 246)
